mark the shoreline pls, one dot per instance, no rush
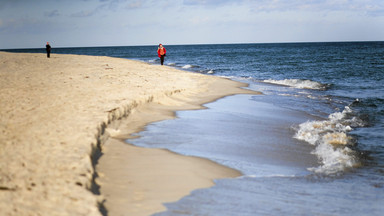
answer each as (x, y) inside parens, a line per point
(54, 117)
(164, 176)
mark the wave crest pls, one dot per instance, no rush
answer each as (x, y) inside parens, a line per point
(298, 83)
(187, 66)
(333, 144)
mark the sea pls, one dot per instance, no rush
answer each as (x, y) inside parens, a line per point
(311, 144)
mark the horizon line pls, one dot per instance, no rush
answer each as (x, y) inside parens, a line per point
(231, 43)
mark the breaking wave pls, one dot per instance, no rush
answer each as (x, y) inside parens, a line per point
(298, 83)
(334, 146)
(187, 66)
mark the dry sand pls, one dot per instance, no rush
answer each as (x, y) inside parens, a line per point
(54, 117)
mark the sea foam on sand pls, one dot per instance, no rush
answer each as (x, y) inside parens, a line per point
(54, 114)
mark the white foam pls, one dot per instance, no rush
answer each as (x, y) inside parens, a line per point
(298, 83)
(332, 141)
(334, 159)
(237, 78)
(171, 64)
(187, 66)
(210, 72)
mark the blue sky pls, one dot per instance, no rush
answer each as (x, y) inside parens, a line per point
(67, 23)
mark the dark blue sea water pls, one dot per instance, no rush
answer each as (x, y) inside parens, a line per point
(322, 149)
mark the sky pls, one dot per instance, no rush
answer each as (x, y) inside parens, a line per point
(84, 23)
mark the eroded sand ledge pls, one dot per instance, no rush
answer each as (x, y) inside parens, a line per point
(53, 118)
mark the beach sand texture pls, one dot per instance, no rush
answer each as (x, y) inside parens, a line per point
(54, 114)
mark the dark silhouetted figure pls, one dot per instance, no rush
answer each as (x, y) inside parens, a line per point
(48, 49)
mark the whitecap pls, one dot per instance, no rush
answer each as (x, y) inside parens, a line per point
(187, 66)
(332, 141)
(298, 83)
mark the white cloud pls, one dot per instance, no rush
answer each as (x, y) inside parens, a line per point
(83, 13)
(364, 6)
(129, 22)
(134, 4)
(52, 13)
(209, 2)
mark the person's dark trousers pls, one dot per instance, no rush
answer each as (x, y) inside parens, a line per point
(48, 54)
(162, 59)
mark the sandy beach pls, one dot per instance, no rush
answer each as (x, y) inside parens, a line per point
(58, 113)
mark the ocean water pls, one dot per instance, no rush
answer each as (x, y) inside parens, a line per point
(312, 144)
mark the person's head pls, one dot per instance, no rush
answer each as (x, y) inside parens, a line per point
(160, 45)
(47, 43)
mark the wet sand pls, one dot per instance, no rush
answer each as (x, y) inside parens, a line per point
(54, 118)
(138, 181)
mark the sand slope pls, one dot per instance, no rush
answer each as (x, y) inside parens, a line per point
(53, 115)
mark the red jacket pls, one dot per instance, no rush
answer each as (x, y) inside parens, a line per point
(158, 52)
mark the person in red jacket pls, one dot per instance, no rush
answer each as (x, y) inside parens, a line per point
(161, 53)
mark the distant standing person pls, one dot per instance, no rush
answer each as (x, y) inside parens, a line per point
(161, 52)
(48, 49)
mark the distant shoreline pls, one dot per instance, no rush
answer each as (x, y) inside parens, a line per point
(202, 44)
